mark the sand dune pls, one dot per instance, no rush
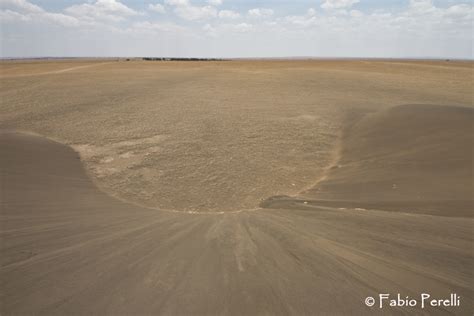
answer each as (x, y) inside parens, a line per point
(267, 187)
(410, 158)
(68, 248)
(410, 152)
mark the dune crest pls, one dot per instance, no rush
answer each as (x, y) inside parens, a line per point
(416, 158)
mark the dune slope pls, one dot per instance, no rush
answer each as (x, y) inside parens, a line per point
(412, 158)
(67, 248)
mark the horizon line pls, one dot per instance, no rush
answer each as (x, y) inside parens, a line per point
(171, 58)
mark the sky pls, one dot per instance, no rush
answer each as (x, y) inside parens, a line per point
(237, 28)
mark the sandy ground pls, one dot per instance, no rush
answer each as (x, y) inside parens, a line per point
(382, 201)
(212, 136)
(68, 248)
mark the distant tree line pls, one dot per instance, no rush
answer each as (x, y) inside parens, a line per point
(179, 59)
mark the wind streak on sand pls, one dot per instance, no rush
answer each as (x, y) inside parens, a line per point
(52, 72)
(68, 248)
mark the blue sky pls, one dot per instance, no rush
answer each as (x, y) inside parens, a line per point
(229, 28)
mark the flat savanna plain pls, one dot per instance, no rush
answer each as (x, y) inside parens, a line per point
(234, 187)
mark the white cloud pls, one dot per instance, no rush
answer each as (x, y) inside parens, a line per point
(421, 4)
(9, 16)
(185, 10)
(102, 10)
(159, 8)
(420, 28)
(460, 10)
(420, 20)
(177, 2)
(242, 27)
(223, 30)
(301, 20)
(26, 11)
(356, 13)
(260, 12)
(210, 30)
(21, 5)
(146, 26)
(196, 13)
(61, 19)
(228, 14)
(338, 4)
(214, 2)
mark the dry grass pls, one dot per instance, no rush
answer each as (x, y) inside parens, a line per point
(211, 135)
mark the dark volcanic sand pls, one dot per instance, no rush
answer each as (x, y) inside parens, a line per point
(67, 248)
